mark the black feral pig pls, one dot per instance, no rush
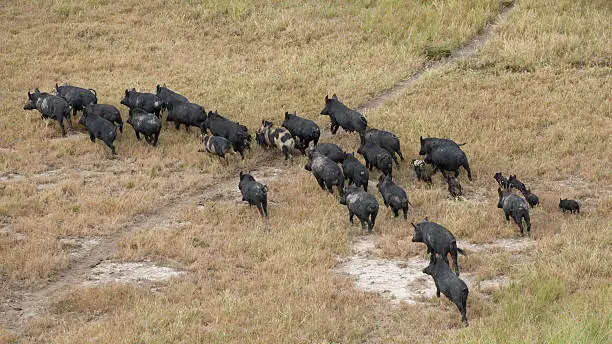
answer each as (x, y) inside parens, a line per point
(279, 137)
(146, 123)
(105, 111)
(302, 129)
(49, 106)
(169, 97)
(531, 198)
(515, 206)
(235, 132)
(513, 182)
(429, 144)
(393, 195)
(216, 145)
(448, 158)
(355, 172)
(376, 156)
(362, 204)
(423, 171)
(77, 97)
(149, 102)
(327, 172)
(569, 204)
(438, 240)
(342, 116)
(448, 284)
(330, 150)
(454, 187)
(189, 114)
(254, 193)
(100, 128)
(386, 140)
(501, 180)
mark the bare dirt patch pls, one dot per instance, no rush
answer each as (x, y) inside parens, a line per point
(404, 281)
(135, 273)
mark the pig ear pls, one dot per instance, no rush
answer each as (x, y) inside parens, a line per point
(421, 139)
(334, 96)
(326, 98)
(56, 87)
(36, 90)
(127, 92)
(29, 95)
(286, 114)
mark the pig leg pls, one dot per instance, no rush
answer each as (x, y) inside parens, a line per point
(177, 125)
(351, 217)
(399, 152)
(528, 221)
(137, 134)
(329, 187)
(260, 209)
(264, 205)
(395, 212)
(519, 221)
(321, 182)
(155, 137)
(453, 253)
(467, 168)
(61, 126)
(69, 120)
(372, 221)
(92, 137)
(405, 212)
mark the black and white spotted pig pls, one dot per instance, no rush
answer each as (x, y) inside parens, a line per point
(50, 106)
(279, 137)
(423, 170)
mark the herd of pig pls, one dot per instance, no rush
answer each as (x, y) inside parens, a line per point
(329, 164)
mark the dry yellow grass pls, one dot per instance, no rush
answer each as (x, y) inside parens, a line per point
(270, 281)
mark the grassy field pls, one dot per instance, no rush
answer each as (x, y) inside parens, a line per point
(534, 101)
